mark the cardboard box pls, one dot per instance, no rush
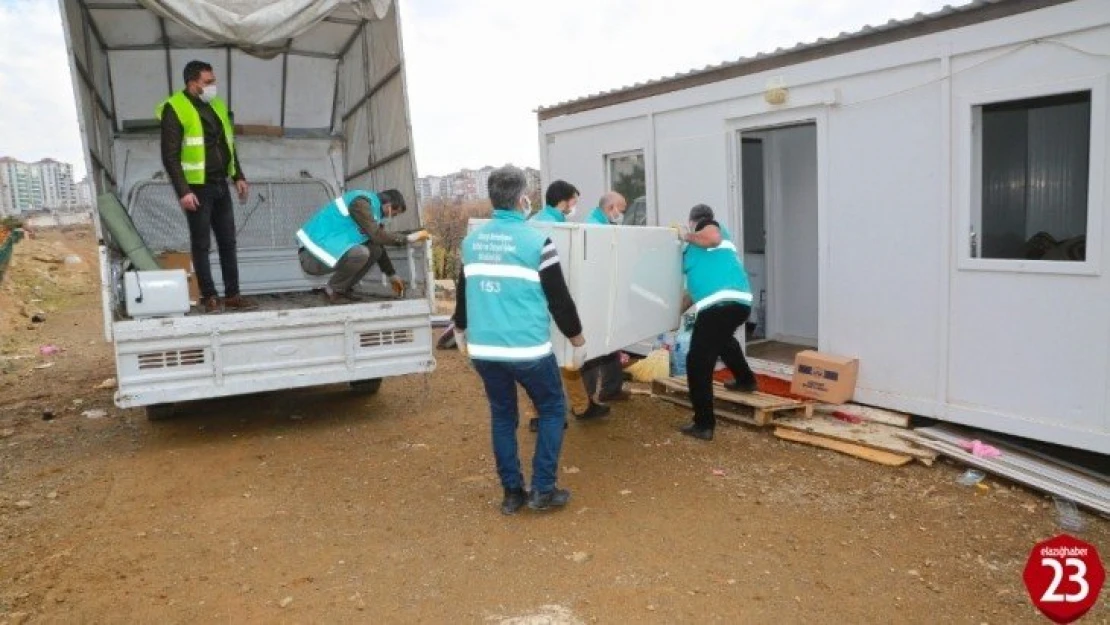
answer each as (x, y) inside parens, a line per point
(182, 260)
(824, 377)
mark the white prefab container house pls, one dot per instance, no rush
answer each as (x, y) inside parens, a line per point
(928, 196)
(316, 89)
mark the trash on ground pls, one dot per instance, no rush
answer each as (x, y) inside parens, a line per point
(45, 365)
(95, 413)
(1033, 468)
(50, 350)
(971, 477)
(978, 448)
(1068, 516)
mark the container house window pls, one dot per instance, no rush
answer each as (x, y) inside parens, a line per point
(625, 175)
(1032, 178)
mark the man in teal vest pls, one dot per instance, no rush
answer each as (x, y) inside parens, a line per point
(198, 154)
(562, 202)
(718, 289)
(347, 237)
(603, 376)
(610, 210)
(510, 288)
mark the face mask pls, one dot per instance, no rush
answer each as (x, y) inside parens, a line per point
(208, 93)
(527, 207)
(572, 211)
(618, 220)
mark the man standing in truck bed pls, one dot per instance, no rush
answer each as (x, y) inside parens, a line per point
(198, 154)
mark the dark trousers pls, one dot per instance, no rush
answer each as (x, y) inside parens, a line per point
(541, 380)
(603, 377)
(216, 215)
(715, 337)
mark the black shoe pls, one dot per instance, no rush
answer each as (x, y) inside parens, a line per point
(554, 498)
(742, 387)
(534, 425)
(595, 411)
(700, 433)
(514, 500)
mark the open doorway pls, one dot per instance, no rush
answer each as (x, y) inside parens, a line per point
(779, 215)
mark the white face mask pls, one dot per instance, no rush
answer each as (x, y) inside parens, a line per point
(572, 211)
(208, 93)
(527, 208)
(618, 220)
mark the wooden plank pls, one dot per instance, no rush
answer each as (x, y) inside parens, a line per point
(867, 413)
(258, 130)
(723, 415)
(759, 401)
(859, 451)
(873, 435)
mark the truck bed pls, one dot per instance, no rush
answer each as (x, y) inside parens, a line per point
(297, 301)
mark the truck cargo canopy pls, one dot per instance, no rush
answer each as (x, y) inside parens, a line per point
(329, 71)
(264, 27)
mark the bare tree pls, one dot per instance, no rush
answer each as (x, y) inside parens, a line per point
(447, 221)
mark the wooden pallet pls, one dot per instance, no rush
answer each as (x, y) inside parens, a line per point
(730, 405)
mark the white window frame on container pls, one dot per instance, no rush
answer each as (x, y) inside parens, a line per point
(642, 153)
(969, 175)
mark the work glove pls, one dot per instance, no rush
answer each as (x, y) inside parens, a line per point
(680, 230)
(418, 237)
(460, 342)
(398, 286)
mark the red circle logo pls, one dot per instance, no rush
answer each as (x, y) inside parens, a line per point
(1064, 577)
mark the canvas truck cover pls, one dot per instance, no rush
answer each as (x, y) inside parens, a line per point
(262, 27)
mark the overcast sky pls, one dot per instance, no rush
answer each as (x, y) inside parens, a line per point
(477, 69)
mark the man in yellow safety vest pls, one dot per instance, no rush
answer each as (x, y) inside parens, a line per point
(198, 153)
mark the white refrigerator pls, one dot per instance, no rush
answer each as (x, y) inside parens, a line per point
(625, 280)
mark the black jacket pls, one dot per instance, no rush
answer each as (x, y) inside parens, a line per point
(216, 150)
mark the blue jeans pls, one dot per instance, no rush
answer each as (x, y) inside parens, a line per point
(541, 380)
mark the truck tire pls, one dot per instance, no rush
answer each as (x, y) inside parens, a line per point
(161, 412)
(366, 387)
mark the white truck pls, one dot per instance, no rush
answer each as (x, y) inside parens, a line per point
(318, 97)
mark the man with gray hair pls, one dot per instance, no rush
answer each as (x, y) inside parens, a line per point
(510, 288)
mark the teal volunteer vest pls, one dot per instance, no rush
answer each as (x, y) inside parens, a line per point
(331, 232)
(716, 275)
(550, 213)
(505, 305)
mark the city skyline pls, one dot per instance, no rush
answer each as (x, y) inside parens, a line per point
(43, 185)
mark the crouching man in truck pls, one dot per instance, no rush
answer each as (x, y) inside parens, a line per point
(347, 237)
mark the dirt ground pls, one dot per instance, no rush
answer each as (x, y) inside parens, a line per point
(322, 506)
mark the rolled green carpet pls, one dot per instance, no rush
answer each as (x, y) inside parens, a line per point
(115, 218)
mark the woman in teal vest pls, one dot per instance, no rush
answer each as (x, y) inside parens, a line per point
(562, 200)
(718, 289)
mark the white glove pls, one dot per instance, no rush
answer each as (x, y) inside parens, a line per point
(578, 357)
(418, 237)
(460, 341)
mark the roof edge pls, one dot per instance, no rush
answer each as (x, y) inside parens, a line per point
(948, 18)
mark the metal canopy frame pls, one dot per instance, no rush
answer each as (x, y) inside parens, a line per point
(88, 70)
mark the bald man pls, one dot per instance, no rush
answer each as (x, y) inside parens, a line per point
(603, 376)
(610, 210)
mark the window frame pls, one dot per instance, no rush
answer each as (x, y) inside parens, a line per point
(969, 168)
(607, 160)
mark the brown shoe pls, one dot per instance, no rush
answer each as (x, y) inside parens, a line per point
(210, 305)
(239, 303)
